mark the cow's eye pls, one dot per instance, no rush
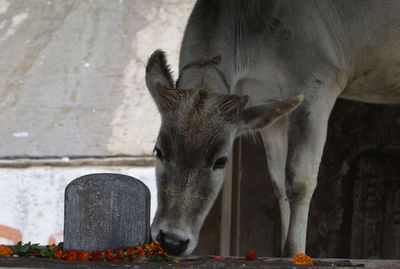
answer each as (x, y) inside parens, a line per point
(158, 153)
(220, 163)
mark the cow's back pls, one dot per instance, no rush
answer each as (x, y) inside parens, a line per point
(260, 39)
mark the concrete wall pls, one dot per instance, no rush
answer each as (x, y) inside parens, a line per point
(72, 85)
(72, 74)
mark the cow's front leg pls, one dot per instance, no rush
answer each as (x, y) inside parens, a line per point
(307, 130)
(275, 143)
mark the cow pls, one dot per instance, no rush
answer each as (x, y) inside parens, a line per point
(275, 67)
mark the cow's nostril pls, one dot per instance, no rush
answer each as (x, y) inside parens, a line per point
(171, 243)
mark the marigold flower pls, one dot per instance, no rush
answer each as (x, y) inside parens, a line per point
(109, 255)
(59, 254)
(119, 255)
(140, 252)
(5, 251)
(96, 256)
(149, 249)
(131, 253)
(302, 259)
(217, 258)
(72, 255)
(83, 256)
(177, 261)
(129, 250)
(158, 250)
(251, 255)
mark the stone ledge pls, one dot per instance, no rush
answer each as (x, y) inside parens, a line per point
(197, 262)
(76, 162)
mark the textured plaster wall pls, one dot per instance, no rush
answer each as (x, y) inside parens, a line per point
(72, 74)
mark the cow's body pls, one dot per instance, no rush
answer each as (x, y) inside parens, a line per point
(273, 50)
(270, 44)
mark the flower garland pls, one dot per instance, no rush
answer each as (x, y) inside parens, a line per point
(153, 251)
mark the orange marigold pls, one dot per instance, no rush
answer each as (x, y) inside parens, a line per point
(140, 252)
(302, 259)
(131, 253)
(158, 250)
(251, 255)
(59, 254)
(96, 256)
(72, 255)
(5, 251)
(119, 255)
(83, 256)
(149, 249)
(109, 255)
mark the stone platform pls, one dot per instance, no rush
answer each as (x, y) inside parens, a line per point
(199, 262)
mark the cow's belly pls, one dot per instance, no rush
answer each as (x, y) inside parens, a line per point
(376, 82)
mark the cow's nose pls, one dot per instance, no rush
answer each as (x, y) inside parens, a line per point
(171, 243)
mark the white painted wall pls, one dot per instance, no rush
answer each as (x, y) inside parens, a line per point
(32, 200)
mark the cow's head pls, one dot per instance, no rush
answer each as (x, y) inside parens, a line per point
(193, 145)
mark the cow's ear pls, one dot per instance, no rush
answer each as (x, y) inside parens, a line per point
(231, 106)
(260, 116)
(158, 74)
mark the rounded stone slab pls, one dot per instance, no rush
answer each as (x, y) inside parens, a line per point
(106, 211)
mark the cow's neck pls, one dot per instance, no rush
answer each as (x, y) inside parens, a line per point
(204, 74)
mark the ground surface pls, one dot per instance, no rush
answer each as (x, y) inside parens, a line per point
(199, 262)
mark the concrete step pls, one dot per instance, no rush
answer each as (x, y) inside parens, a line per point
(199, 262)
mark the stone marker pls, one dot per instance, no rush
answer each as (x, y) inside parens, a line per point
(106, 211)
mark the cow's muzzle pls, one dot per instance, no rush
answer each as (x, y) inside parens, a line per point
(171, 243)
